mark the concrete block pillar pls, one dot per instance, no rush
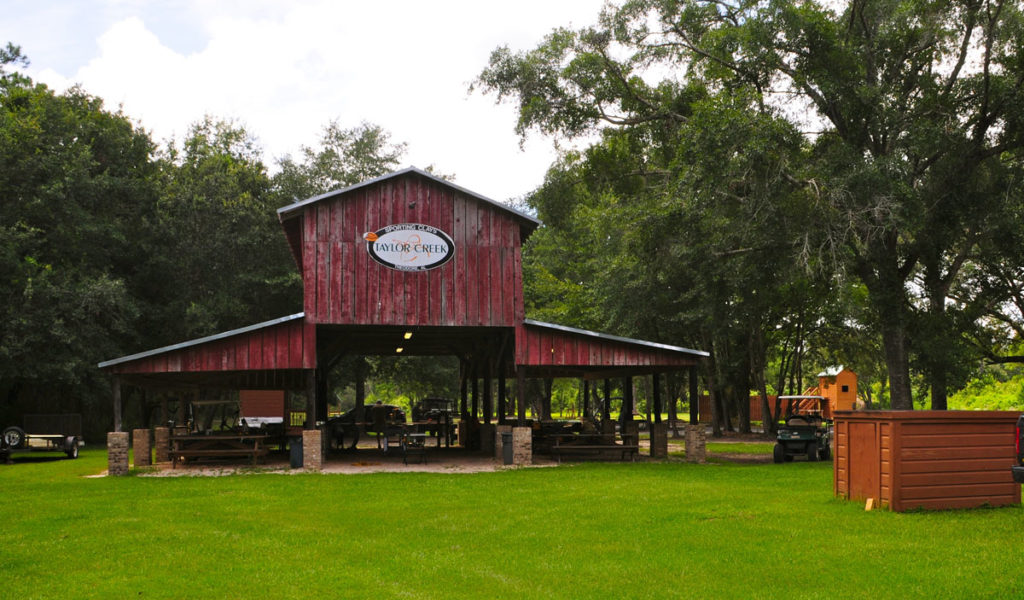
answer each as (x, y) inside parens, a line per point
(162, 443)
(499, 447)
(696, 438)
(659, 440)
(117, 453)
(142, 447)
(312, 449)
(487, 432)
(522, 445)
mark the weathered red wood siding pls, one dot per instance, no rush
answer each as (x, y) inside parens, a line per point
(290, 345)
(480, 286)
(926, 459)
(551, 347)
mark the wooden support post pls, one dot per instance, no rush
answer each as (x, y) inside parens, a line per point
(656, 383)
(360, 391)
(545, 404)
(476, 393)
(626, 415)
(488, 399)
(115, 390)
(606, 409)
(694, 400)
(321, 393)
(311, 399)
(502, 407)
(521, 398)
(584, 413)
(463, 391)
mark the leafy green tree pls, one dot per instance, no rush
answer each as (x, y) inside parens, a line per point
(78, 185)
(896, 99)
(344, 157)
(216, 255)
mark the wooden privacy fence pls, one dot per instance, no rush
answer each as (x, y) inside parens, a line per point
(755, 408)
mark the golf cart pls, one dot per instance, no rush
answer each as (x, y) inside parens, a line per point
(806, 432)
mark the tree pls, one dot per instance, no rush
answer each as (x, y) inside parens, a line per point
(78, 184)
(216, 255)
(896, 100)
(344, 157)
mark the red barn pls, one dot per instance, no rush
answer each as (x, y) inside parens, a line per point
(404, 263)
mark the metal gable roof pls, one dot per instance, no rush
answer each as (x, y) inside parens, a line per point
(286, 212)
(615, 338)
(199, 341)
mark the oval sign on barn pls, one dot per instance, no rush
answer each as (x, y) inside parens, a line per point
(410, 246)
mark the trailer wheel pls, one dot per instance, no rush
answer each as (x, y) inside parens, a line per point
(71, 447)
(778, 454)
(14, 437)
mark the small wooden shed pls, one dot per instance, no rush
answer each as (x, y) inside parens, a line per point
(926, 459)
(839, 385)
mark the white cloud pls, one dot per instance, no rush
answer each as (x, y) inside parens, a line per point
(285, 70)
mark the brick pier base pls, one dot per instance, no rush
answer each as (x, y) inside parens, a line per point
(162, 443)
(696, 438)
(312, 449)
(117, 453)
(522, 445)
(142, 448)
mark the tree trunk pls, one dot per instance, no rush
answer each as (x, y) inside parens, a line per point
(894, 340)
(936, 350)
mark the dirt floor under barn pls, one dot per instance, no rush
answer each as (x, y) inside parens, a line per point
(368, 459)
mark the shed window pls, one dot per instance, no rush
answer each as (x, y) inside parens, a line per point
(846, 388)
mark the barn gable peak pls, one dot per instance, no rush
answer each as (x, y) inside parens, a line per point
(527, 222)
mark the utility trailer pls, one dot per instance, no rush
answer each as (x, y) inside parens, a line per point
(44, 433)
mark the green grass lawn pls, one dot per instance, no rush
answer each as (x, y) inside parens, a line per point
(577, 531)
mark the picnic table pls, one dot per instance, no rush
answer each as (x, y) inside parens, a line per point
(216, 446)
(440, 429)
(594, 444)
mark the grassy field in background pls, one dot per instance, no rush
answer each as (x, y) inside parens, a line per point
(575, 531)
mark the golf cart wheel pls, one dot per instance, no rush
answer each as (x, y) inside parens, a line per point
(14, 437)
(778, 454)
(812, 451)
(825, 453)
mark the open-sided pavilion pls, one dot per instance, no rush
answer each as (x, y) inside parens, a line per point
(405, 263)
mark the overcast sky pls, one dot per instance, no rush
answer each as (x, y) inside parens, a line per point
(285, 68)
